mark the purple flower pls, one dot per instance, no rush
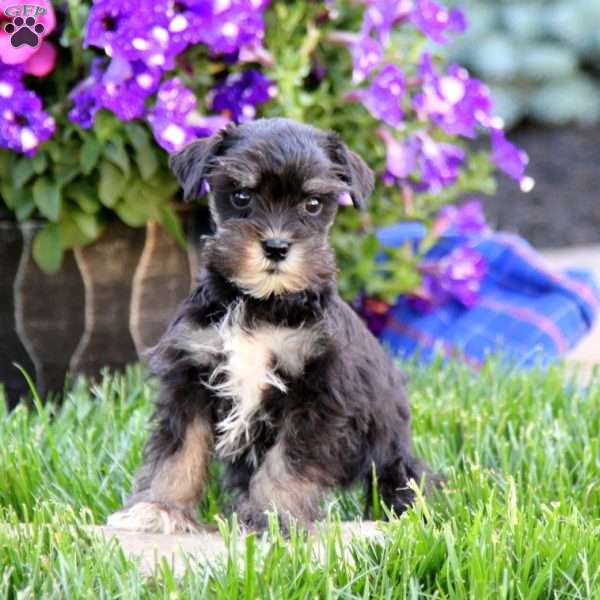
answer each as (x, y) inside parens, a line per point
(383, 97)
(384, 15)
(11, 81)
(439, 162)
(367, 54)
(401, 157)
(85, 96)
(188, 19)
(374, 312)
(437, 21)
(174, 119)
(457, 276)
(510, 159)
(456, 102)
(124, 90)
(136, 31)
(238, 96)
(467, 219)
(234, 24)
(23, 123)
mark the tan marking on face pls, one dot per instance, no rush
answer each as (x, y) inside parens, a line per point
(255, 279)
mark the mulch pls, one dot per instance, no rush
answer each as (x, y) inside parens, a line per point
(564, 207)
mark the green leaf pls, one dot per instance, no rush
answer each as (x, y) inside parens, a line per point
(90, 153)
(46, 195)
(39, 162)
(138, 135)
(147, 162)
(22, 172)
(47, 248)
(24, 208)
(112, 184)
(116, 153)
(85, 195)
(172, 223)
(65, 173)
(105, 125)
(88, 224)
(132, 215)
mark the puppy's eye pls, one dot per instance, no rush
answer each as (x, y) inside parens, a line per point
(313, 206)
(241, 199)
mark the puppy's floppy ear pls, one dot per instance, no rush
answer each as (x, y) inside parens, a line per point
(192, 164)
(353, 171)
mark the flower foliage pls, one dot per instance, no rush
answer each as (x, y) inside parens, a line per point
(86, 126)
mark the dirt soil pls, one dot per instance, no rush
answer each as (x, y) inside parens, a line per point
(564, 207)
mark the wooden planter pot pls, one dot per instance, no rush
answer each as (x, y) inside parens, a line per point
(108, 303)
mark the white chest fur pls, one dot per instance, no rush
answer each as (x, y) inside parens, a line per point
(247, 361)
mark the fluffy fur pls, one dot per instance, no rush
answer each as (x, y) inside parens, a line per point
(264, 365)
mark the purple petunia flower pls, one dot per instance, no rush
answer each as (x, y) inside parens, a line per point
(238, 96)
(401, 157)
(440, 162)
(85, 96)
(436, 21)
(467, 219)
(11, 81)
(383, 97)
(510, 159)
(383, 15)
(367, 54)
(174, 120)
(23, 123)
(234, 24)
(456, 102)
(457, 276)
(135, 31)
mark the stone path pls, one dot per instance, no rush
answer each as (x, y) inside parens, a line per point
(152, 548)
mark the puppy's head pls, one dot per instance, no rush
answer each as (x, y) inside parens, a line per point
(274, 186)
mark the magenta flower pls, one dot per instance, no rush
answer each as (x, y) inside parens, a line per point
(239, 95)
(455, 102)
(383, 97)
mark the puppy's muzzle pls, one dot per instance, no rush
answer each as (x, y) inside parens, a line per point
(276, 249)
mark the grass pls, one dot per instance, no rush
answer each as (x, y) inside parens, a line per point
(520, 517)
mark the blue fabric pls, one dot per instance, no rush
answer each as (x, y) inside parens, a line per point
(529, 313)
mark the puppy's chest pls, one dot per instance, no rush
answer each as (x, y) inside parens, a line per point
(249, 362)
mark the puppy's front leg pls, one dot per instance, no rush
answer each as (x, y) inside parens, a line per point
(169, 485)
(277, 486)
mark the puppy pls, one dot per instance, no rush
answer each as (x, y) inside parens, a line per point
(264, 365)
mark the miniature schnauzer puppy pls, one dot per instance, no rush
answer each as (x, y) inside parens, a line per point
(264, 364)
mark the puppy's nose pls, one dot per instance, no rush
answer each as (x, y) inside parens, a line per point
(276, 250)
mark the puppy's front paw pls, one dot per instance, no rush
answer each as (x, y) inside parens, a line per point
(251, 516)
(153, 517)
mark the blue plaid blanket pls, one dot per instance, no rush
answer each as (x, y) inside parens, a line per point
(527, 312)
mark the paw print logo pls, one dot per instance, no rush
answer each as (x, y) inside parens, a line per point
(24, 31)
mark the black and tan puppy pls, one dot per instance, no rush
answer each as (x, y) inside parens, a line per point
(264, 365)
